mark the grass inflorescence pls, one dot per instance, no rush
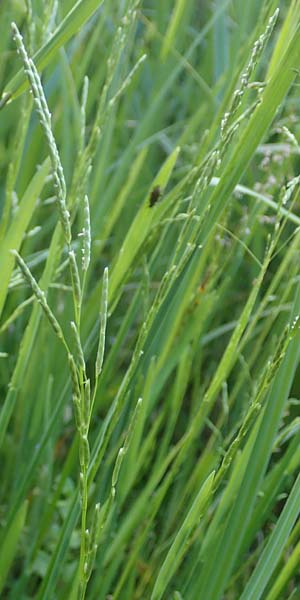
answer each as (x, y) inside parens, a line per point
(149, 300)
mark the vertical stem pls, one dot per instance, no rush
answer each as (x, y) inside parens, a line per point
(84, 500)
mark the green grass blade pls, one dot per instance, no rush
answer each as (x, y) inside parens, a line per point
(176, 552)
(15, 233)
(140, 227)
(10, 543)
(275, 546)
(74, 20)
(222, 559)
(287, 571)
(174, 24)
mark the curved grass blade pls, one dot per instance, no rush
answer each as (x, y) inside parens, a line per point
(177, 550)
(10, 543)
(219, 565)
(73, 21)
(18, 227)
(275, 546)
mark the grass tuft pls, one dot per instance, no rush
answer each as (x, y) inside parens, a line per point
(149, 437)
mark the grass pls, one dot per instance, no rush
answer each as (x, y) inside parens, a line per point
(149, 300)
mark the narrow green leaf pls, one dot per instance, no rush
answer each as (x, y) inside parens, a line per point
(73, 21)
(15, 233)
(140, 227)
(221, 560)
(275, 546)
(174, 23)
(10, 542)
(177, 550)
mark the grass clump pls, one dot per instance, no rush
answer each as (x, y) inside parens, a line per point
(149, 210)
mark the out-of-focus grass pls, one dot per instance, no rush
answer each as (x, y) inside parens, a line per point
(149, 365)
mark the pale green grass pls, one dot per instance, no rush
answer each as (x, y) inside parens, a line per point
(149, 355)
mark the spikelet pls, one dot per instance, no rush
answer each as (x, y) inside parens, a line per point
(78, 347)
(75, 281)
(74, 377)
(103, 321)
(86, 250)
(84, 97)
(45, 121)
(256, 53)
(39, 294)
(127, 81)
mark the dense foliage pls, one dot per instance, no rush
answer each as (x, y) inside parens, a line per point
(149, 299)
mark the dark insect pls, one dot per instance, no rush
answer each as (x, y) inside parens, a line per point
(155, 195)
